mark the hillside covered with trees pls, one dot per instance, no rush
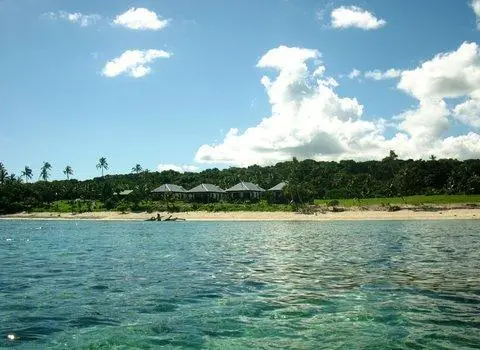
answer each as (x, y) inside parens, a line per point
(307, 180)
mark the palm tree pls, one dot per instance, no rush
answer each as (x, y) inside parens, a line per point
(3, 173)
(13, 178)
(391, 156)
(68, 171)
(44, 171)
(137, 168)
(433, 158)
(27, 173)
(102, 164)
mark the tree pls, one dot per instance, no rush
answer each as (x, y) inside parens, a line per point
(433, 158)
(44, 171)
(391, 156)
(68, 171)
(102, 164)
(12, 178)
(137, 168)
(27, 173)
(3, 173)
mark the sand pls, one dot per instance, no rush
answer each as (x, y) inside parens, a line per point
(405, 214)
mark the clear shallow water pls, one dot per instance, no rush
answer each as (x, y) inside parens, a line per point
(264, 285)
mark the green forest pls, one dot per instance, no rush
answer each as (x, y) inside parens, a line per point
(309, 181)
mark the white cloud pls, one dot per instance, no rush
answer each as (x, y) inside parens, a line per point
(427, 122)
(355, 73)
(355, 17)
(447, 75)
(141, 19)
(310, 120)
(476, 8)
(379, 75)
(453, 74)
(76, 17)
(178, 168)
(133, 63)
(463, 146)
(468, 112)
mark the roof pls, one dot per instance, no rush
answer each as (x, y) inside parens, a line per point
(170, 188)
(206, 188)
(245, 187)
(125, 192)
(278, 187)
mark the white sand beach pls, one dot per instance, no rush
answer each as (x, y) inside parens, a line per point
(405, 214)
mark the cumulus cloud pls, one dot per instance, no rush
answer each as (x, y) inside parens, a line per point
(468, 112)
(355, 17)
(75, 17)
(310, 120)
(379, 75)
(453, 74)
(134, 63)
(178, 168)
(140, 19)
(355, 73)
(476, 8)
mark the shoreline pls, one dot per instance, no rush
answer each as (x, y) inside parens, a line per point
(347, 215)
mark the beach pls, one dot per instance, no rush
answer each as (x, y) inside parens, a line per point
(356, 214)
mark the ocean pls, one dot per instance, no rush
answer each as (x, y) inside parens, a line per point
(238, 285)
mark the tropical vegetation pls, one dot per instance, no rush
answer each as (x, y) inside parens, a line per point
(68, 171)
(390, 180)
(137, 169)
(45, 171)
(102, 164)
(27, 173)
(3, 173)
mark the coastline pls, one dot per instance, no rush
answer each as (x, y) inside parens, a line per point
(347, 215)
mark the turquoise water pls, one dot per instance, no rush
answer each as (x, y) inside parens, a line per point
(341, 285)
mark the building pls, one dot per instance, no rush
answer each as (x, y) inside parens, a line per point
(245, 191)
(171, 191)
(276, 193)
(206, 193)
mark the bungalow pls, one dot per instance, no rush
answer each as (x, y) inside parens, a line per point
(246, 191)
(206, 193)
(276, 192)
(174, 191)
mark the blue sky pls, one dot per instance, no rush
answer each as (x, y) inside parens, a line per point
(60, 104)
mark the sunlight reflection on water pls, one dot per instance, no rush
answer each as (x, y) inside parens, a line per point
(240, 284)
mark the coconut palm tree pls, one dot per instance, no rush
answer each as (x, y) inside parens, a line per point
(27, 173)
(68, 171)
(102, 164)
(44, 171)
(13, 178)
(3, 173)
(137, 168)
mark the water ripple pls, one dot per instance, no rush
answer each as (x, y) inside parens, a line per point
(399, 285)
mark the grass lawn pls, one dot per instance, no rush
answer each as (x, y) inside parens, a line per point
(412, 200)
(68, 206)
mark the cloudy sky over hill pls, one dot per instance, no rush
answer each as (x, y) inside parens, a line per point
(188, 85)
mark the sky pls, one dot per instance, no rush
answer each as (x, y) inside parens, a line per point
(189, 85)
